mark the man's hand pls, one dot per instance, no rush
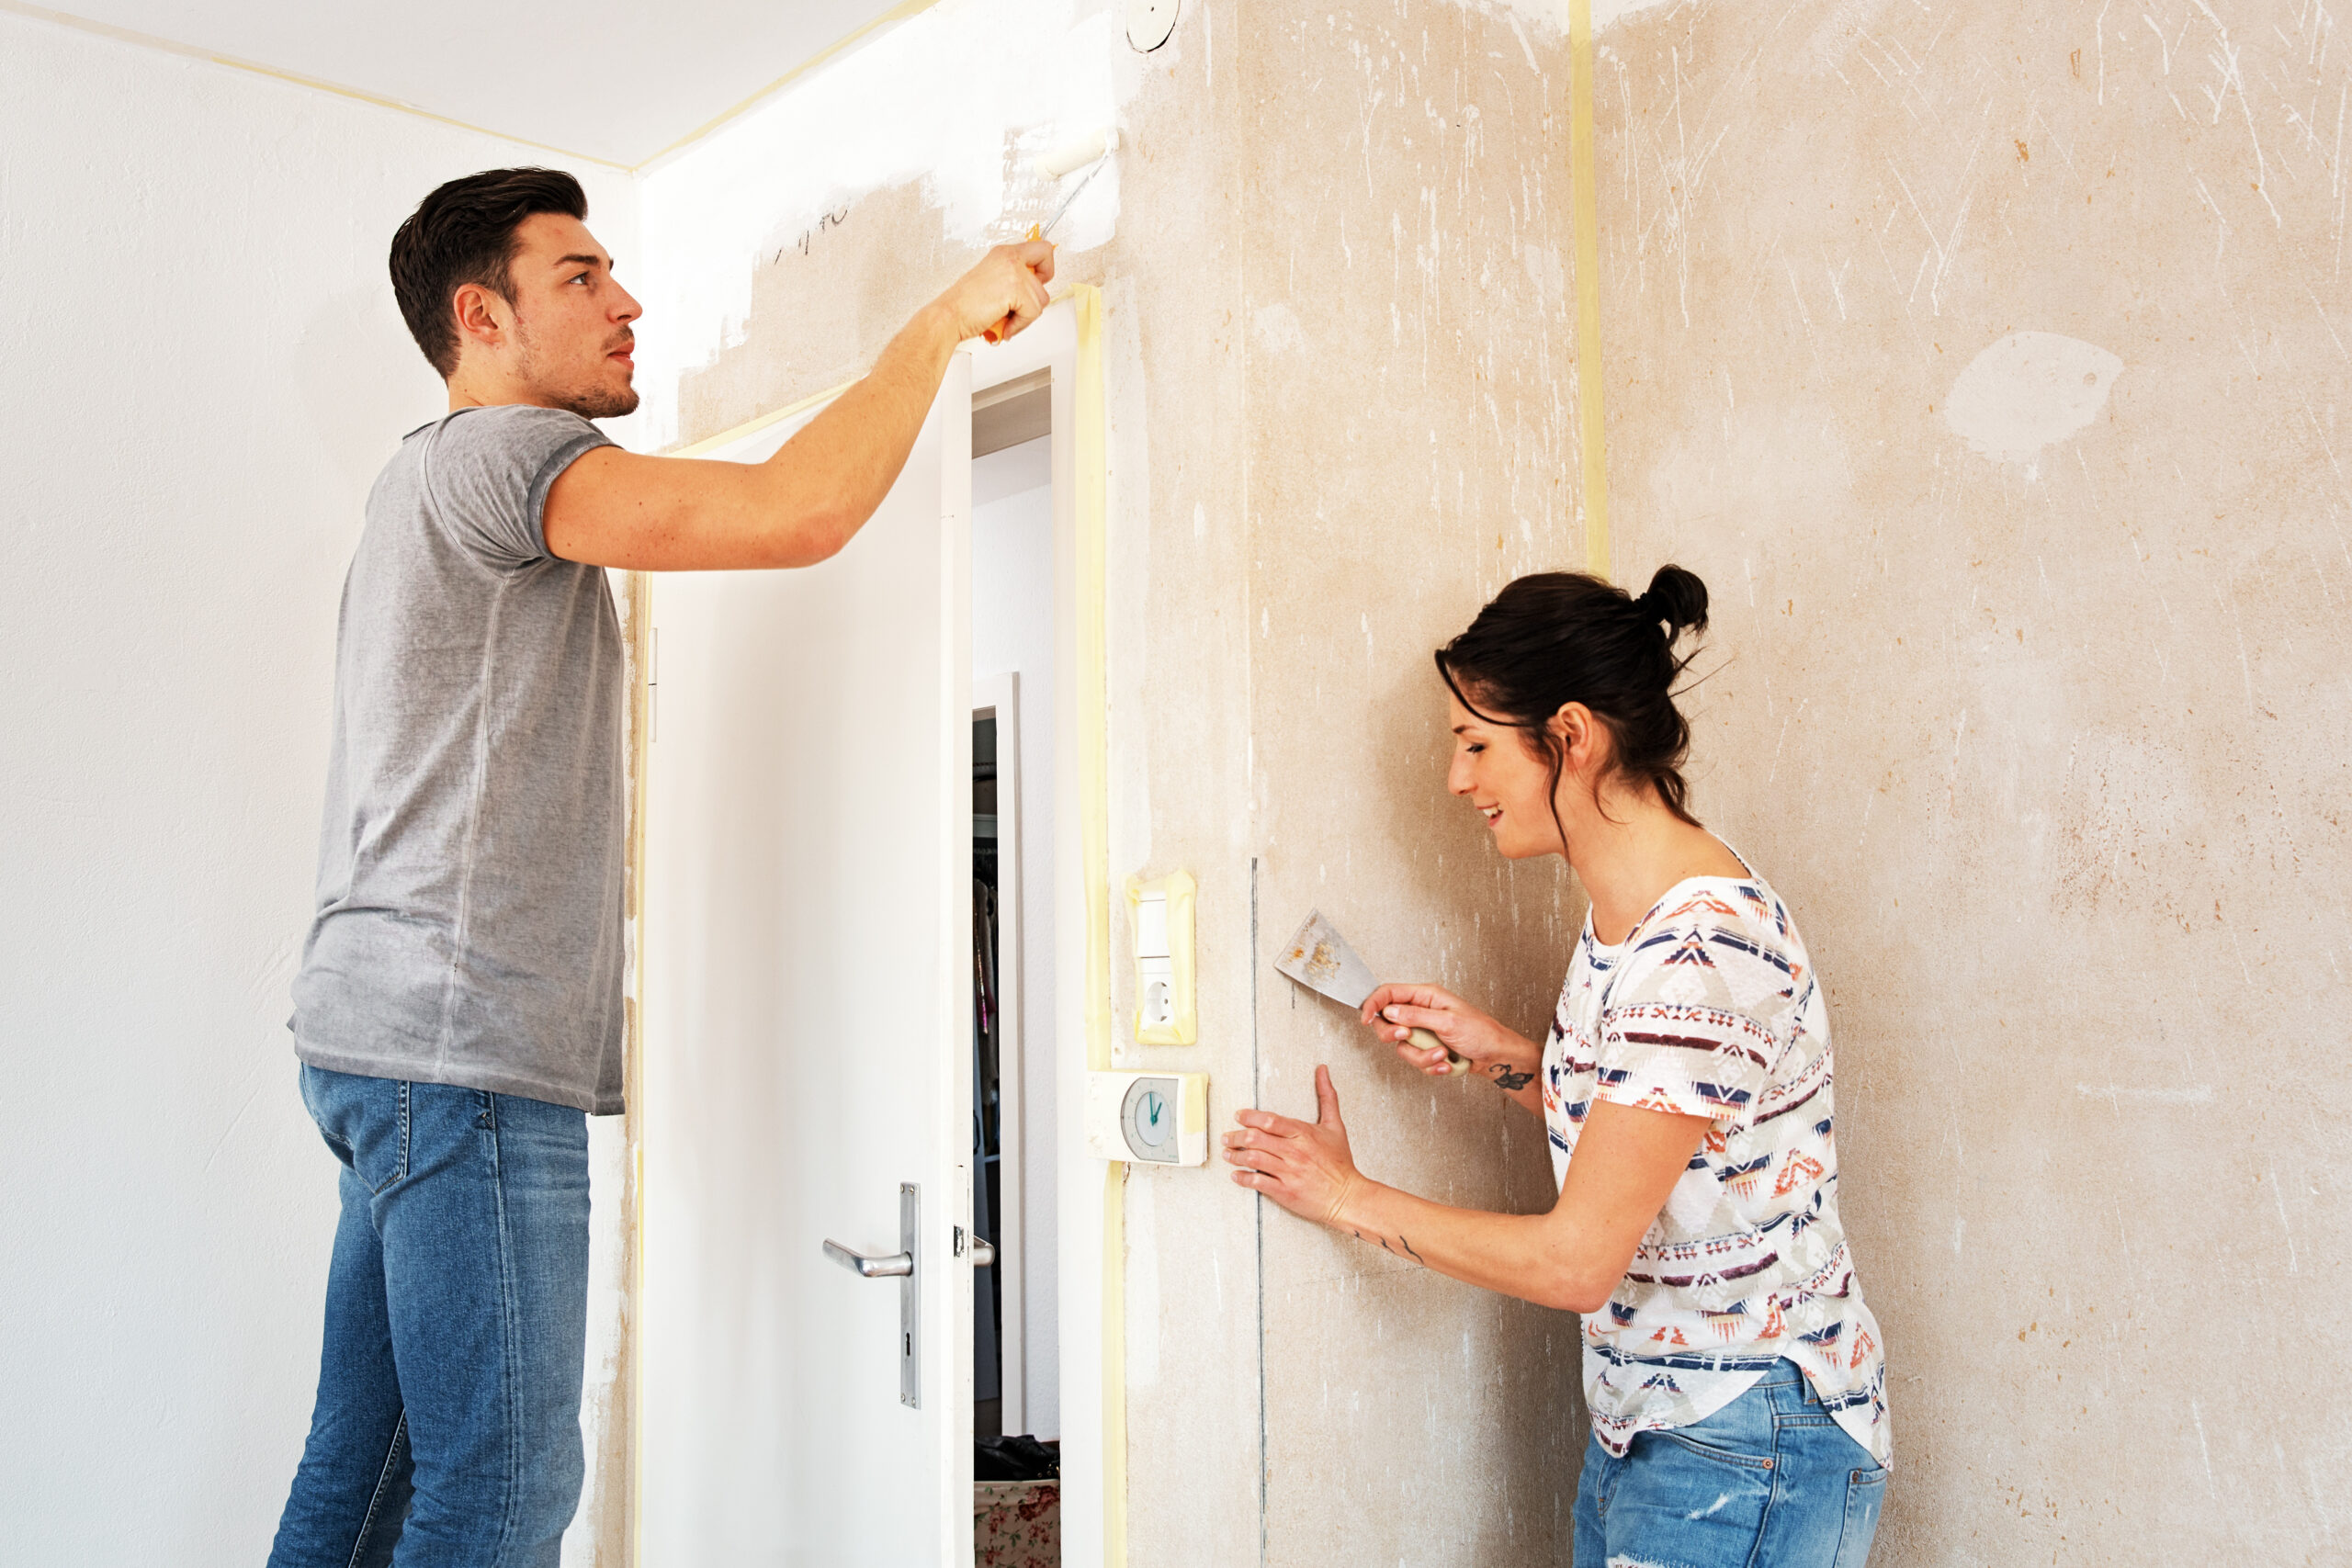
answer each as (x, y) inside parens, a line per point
(1002, 295)
(615, 508)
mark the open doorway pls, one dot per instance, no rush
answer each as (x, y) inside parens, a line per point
(1015, 1361)
(813, 1113)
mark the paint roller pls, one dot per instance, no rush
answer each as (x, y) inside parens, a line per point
(1058, 164)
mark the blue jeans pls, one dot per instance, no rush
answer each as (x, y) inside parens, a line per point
(447, 1433)
(1770, 1481)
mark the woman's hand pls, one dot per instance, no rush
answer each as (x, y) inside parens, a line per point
(1393, 1012)
(1302, 1165)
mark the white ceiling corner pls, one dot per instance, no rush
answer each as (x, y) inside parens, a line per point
(604, 79)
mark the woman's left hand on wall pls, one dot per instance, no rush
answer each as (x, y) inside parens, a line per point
(1306, 1166)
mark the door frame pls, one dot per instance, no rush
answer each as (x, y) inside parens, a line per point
(1089, 1251)
(998, 696)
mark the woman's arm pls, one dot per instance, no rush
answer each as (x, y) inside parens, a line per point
(1505, 1057)
(1625, 1164)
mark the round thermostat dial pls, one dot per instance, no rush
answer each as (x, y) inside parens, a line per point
(1147, 1118)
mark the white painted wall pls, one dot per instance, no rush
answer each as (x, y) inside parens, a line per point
(1012, 630)
(950, 98)
(205, 371)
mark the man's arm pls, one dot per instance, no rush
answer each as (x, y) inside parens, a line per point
(617, 509)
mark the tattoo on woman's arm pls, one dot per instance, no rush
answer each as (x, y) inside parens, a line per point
(1507, 1078)
(1382, 1242)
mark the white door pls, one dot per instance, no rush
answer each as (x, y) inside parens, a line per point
(807, 916)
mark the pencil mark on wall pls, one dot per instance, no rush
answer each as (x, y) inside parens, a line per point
(809, 236)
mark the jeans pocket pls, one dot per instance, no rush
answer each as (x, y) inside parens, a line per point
(365, 1122)
(1758, 1462)
(1865, 1492)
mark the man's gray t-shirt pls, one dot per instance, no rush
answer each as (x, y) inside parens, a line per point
(469, 924)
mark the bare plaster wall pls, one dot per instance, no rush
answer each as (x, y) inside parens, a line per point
(2015, 481)
(1338, 366)
(2028, 692)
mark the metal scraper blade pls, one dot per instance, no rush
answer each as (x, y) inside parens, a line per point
(1319, 958)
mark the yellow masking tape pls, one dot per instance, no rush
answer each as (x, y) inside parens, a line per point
(1581, 181)
(1181, 892)
(1094, 845)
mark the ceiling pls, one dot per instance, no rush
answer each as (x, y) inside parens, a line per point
(616, 80)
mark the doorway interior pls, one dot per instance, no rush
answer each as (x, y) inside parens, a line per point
(733, 1320)
(1015, 1387)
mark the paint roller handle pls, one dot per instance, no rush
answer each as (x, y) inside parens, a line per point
(1455, 1064)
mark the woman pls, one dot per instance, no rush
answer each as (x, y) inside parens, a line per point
(1734, 1375)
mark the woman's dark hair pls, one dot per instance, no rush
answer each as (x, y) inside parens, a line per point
(464, 233)
(1559, 637)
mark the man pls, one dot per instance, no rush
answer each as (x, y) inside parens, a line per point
(458, 1012)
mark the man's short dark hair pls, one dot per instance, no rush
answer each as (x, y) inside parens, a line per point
(464, 233)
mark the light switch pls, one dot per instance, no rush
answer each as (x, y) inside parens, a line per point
(1160, 913)
(1149, 1118)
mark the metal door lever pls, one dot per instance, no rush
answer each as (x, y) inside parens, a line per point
(891, 1266)
(983, 1253)
(898, 1266)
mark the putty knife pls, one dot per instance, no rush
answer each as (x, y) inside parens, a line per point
(1319, 958)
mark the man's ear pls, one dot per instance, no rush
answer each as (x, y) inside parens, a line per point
(483, 317)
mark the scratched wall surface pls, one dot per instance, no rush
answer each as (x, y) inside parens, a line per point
(1337, 351)
(1408, 354)
(1987, 360)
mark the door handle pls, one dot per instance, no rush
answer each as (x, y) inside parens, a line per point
(983, 1253)
(870, 1266)
(898, 1266)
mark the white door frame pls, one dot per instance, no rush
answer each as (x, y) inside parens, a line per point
(1088, 1252)
(1090, 1341)
(998, 696)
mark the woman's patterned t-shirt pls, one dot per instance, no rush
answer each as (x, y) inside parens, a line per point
(1709, 1009)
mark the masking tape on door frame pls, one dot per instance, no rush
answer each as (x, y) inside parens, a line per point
(1091, 477)
(1587, 201)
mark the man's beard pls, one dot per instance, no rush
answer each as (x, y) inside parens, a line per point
(599, 402)
(589, 398)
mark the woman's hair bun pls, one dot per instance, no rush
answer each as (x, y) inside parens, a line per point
(1676, 597)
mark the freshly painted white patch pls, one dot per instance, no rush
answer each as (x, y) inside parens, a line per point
(1551, 16)
(1278, 328)
(2026, 391)
(1143, 1281)
(1548, 273)
(959, 101)
(1839, 33)
(1606, 13)
(2116, 1094)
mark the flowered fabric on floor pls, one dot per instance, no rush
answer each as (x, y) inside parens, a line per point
(1017, 1524)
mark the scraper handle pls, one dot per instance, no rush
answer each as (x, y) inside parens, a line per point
(1455, 1066)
